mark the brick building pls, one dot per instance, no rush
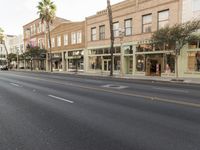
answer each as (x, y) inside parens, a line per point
(68, 46)
(34, 35)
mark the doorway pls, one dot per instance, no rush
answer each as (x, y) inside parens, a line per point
(106, 64)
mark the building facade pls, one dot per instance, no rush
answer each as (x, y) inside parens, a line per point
(35, 35)
(68, 46)
(133, 24)
(189, 60)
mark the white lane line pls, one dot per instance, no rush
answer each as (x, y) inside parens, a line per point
(62, 99)
(14, 84)
(172, 90)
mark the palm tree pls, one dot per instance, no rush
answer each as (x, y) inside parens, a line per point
(2, 41)
(47, 11)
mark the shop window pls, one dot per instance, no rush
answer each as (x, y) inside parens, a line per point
(128, 49)
(193, 45)
(117, 49)
(106, 51)
(194, 61)
(140, 63)
(95, 63)
(117, 63)
(170, 64)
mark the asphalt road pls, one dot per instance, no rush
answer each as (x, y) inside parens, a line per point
(45, 111)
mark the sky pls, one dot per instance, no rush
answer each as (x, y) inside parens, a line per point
(16, 13)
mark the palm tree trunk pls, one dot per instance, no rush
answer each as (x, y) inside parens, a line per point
(49, 38)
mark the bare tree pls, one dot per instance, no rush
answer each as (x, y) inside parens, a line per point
(111, 35)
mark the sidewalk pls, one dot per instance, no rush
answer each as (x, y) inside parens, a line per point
(127, 77)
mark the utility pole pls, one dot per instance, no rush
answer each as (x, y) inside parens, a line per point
(111, 35)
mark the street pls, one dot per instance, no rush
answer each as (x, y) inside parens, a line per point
(51, 111)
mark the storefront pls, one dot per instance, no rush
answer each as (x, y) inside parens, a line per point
(75, 60)
(99, 60)
(151, 60)
(57, 61)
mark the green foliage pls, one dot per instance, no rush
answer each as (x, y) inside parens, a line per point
(12, 57)
(33, 53)
(180, 34)
(46, 10)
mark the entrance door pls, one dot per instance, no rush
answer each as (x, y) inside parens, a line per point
(106, 64)
(153, 67)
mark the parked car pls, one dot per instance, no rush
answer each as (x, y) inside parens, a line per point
(3, 67)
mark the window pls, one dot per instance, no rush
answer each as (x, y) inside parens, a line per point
(93, 34)
(194, 61)
(79, 37)
(39, 27)
(163, 19)
(59, 41)
(73, 38)
(140, 63)
(196, 4)
(116, 29)
(146, 23)
(41, 43)
(102, 32)
(65, 39)
(128, 27)
(76, 37)
(52, 42)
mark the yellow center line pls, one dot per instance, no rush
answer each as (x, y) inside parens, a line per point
(159, 99)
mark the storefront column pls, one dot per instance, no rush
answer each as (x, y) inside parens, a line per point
(122, 62)
(85, 60)
(47, 62)
(134, 60)
(66, 61)
(63, 62)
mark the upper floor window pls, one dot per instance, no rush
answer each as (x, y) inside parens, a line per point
(102, 32)
(78, 37)
(40, 43)
(163, 19)
(65, 39)
(196, 5)
(52, 42)
(128, 27)
(116, 29)
(59, 41)
(146, 23)
(93, 34)
(73, 38)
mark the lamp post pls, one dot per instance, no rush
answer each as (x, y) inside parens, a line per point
(121, 37)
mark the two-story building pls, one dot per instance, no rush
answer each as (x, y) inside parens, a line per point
(133, 24)
(35, 35)
(68, 46)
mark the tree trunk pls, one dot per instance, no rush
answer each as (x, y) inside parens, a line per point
(111, 36)
(176, 66)
(49, 38)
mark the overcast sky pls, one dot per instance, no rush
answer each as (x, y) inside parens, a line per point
(16, 13)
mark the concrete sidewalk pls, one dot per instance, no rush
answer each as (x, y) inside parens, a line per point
(128, 77)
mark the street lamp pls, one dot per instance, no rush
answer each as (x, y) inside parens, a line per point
(121, 37)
